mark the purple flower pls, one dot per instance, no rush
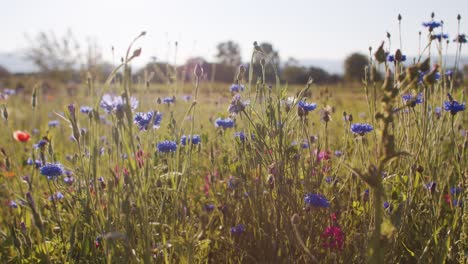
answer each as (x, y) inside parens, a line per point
(239, 229)
(306, 106)
(56, 196)
(454, 107)
(440, 36)
(52, 170)
(167, 146)
(53, 123)
(114, 103)
(235, 88)
(145, 120)
(316, 200)
(413, 99)
(431, 24)
(85, 109)
(13, 204)
(224, 123)
(361, 128)
(168, 100)
(195, 140)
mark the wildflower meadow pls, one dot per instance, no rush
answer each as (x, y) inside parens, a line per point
(258, 171)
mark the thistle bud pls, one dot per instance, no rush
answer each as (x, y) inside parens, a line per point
(430, 78)
(459, 17)
(388, 35)
(34, 98)
(198, 71)
(136, 53)
(399, 17)
(425, 65)
(380, 53)
(262, 61)
(5, 113)
(432, 15)
(398, 55)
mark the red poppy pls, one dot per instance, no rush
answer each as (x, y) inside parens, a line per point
(21, 136)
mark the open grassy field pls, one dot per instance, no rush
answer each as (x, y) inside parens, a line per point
(124, 171)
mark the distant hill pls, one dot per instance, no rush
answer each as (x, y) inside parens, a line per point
(16, 63)
(330, 65)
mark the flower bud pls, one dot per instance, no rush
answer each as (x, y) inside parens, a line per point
(380, 54)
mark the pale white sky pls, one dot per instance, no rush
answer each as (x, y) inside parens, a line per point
(303, 29)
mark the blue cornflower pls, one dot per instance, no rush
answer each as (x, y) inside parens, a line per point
(306, 106)
(56, 196)
(239, 229)
(431, 24)
(13, 204)
(391, 58)
(237, 105)
(195, 140)
(388, 206)
(167, 146)
(168, 100)
(431, 186)
(410, 97)
(143, 119)
(41, 144)
(338, 153)
(37, 163)
(235, 88)
(113, 103)
(53, 123)
(440, 36)
(209, 207)
(456, 191)
(85, 109)
(422, 74)
(316, 200)
(454, 106)
(449, 73)
(52, 170)
(361, 129)
(69, 180)
(186, 97)
(224, 123)
(240, 136)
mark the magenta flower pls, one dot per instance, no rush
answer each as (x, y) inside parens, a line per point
(333, 238)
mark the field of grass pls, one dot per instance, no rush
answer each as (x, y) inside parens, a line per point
(306, 174)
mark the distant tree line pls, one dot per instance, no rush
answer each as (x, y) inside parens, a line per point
(62, 58)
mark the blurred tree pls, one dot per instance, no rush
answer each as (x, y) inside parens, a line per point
(294, 74)
(54, 55)
(355, 67)
(319, 75)
(3, 72)
(272, 60)
(229, 53)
